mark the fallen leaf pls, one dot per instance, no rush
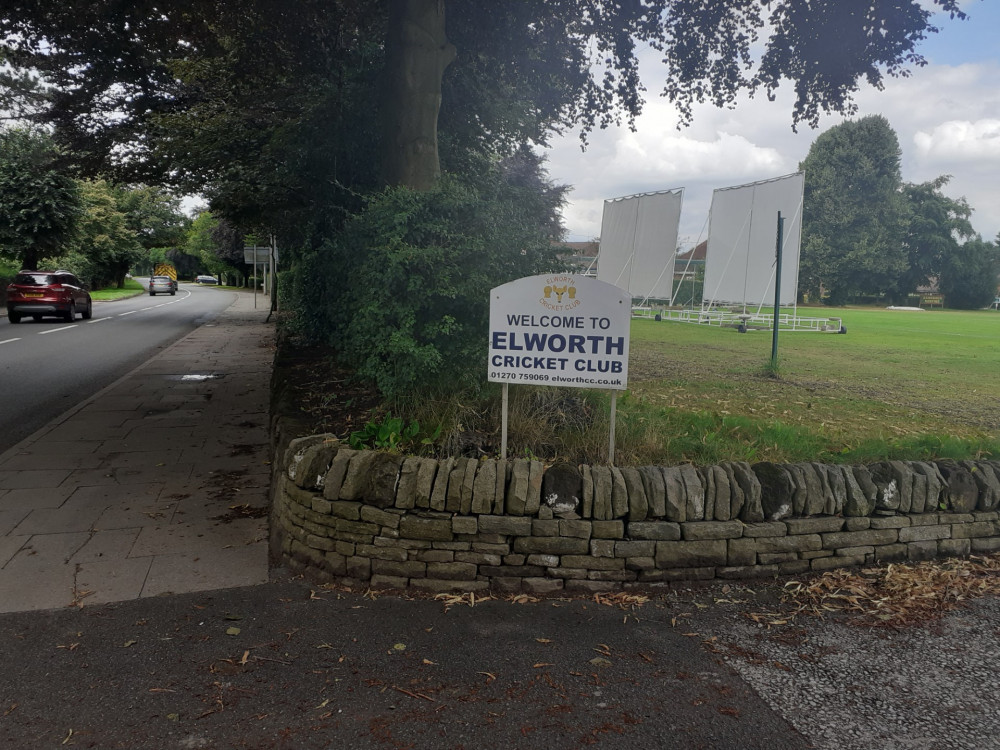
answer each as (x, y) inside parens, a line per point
(129, 643)
(541, 664)
(428, 661)
(232, 631)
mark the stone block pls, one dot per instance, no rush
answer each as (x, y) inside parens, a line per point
(601, 476)
(815, 500)
(504, 525)
(424, 486)
(923, 550)
(791, 543)
(335, 475)
(656, 493)
(358, 567)
(708, 483)
(602, 547)
(544, 528)
(746, 571)
(678, 574)
(886, 486)
(695, 492)
(765, 529)
(984, 545)
(430, 529)
(567, 573)
(722, 506)
(380, 517)
(406, 488)
(776, 558)
(619, 494)
(728, 511)
(464, 525)
(514, 571)
(863, 551)
(516, 498)
(857, 524)
(382, 553)
(986, 482)
(954, 547)
(923, 533)
(830, 563)
(587, 492)
(935, 484)
(533, 500)
(893, 522)
(638, 505)
(348, 510)
(888, 553)
(819, 525)
(857, 503)
(432, 555)
(517, 560)
(925, 519)
(793, 567)
(586, 562)
(973, 530)
(697, 530)
(640, 564)
(439, 493)
(544, 561)
(801, 492)
(691, 554)
(575, 528)
(308, 469)
(635, 549)
(654, 530)
(752, 510)
(554, 545)
(542, 586)
(741, 552)
(503, 479)
(867, 537)
(452, 571)
(356, 481)
(675, 495)
(484, 487)
(456, 478)
(612, 575)
(611, 530)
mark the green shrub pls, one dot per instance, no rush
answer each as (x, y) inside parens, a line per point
(402, 291)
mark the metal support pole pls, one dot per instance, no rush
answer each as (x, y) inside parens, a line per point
(777, 294)
(503, 426)
(611, 444)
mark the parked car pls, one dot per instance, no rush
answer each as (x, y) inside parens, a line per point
(163, 284)
(41, 293)
(205, 280)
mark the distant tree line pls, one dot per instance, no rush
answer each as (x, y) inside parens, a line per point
(866, 233)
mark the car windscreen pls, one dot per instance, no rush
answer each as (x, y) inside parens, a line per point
(35, 279)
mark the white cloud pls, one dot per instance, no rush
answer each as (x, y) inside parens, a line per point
(945, 117)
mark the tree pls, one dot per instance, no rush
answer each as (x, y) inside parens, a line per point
(105, 246)
(39, 199)
(526, 67)
(935, 224)
(854, 220)
(969, 275)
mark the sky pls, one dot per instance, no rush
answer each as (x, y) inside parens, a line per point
(946, 116)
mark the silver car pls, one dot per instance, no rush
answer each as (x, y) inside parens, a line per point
(163, 284)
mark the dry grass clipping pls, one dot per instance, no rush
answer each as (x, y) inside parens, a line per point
(896, 595)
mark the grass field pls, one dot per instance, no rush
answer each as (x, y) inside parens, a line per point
(899, 384)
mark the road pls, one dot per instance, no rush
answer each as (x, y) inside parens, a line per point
(49, 366)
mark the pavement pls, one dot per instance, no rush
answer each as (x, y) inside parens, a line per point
(157, 484)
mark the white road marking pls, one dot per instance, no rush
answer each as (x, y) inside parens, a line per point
(56, 330)
(130, 312)
(99, 320)
(9, 341)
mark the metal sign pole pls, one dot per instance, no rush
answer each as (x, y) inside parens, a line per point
(503, 426)
(777, 293)
(611, 445)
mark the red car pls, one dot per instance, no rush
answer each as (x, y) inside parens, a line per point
(40, 293)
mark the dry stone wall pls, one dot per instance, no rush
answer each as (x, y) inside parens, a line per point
(466, 524)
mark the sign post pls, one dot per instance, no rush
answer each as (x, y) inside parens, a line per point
(560, 330)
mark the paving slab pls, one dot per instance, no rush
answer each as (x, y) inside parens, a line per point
(138, 491)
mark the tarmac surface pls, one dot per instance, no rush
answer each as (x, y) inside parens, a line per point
(138, 611)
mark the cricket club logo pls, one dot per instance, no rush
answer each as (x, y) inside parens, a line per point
(559, 294)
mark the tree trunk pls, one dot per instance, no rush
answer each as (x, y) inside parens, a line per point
(417, 53)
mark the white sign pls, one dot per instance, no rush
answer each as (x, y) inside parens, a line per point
(560, 329)
(260, 254)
